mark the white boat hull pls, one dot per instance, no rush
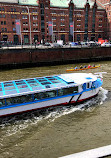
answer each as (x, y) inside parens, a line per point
(48, 103)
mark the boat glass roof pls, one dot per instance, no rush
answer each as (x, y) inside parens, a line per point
(17, 87)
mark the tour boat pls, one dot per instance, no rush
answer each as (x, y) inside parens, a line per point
(23, 95)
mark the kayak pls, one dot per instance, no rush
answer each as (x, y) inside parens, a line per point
(72, 69)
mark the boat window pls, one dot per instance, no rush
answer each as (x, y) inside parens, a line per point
(44, 83)
(51, 94)
(20, 82)
(31, 81)
(84, 86)
(60, 92)
(51, 78)
(37, 96)
(22, 86)
(66, 91)
(37, 88)
(41, 79)
(19, 99)
(56, 81)
(33, 84)
(2, 102)
(10, 92)
(88, 85)
(9, 88)
(8, 84)
(43, 95)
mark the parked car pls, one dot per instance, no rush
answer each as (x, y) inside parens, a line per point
(93, 44)
(73, 43)
(57, 45)
(5, 43)
(106, 44)
(84, 44)
(48, 44)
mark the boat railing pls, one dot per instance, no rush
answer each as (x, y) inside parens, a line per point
(100, 74)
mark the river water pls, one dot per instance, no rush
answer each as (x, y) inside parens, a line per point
(57, 131)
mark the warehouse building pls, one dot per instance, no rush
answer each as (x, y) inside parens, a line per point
(30, 21)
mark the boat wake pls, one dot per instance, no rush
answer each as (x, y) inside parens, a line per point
(87, 105)
(54, 112)
(21, 125)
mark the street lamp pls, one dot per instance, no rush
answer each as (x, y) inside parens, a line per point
(29, 25)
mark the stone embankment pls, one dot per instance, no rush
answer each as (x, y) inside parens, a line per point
(39, 57)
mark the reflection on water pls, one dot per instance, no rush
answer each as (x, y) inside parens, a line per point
(57, 131)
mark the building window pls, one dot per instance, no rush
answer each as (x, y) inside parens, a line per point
(2, 15)
(79, 25)
(100, 20)
(42, 12)
(34, 11)
(25, 23)
(24, 10)
(54, 23)
(2, 9)
(24, 17)
(79, 19)
(3, 22)
(14, 16)
(34, 17)
(4, 29)
(35, 24)
(62, 24)
(11, 9)
(14, 29)
(35, 29)
(25, 29)
(100, 25)
(42, 5)
(53, 18)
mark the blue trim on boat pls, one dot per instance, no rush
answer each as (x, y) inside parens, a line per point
(16, 86)
(41, 100)
(3, 89)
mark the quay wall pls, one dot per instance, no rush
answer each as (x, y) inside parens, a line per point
(52, 55)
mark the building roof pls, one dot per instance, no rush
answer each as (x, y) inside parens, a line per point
(60, 3)
(29, 2)
(9, 1)
(77, 3)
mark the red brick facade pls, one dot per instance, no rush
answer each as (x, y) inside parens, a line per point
(106, 4)
(34, 22)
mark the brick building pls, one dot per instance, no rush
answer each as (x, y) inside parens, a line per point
(86, 17)
(106, 4)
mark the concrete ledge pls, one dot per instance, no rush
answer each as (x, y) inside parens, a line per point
(93, 153)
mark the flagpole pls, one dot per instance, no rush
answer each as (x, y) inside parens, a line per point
(52, 31)
(73, 31)
(29, 25)
(21, 34)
